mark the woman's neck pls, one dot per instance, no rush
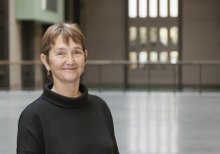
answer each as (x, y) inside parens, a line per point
(68, 90)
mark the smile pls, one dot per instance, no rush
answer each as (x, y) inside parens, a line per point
(69, 68)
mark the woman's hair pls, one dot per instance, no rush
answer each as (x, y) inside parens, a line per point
(67, 30)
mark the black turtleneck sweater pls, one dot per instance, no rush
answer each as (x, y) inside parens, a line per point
(54, 124)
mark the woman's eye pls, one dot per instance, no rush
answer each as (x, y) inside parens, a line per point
(60, 53)
(77, 52)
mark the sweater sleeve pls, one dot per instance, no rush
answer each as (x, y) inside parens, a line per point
(29, 137)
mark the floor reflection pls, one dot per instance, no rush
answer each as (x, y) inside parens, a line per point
(155, 123)
(153, 126)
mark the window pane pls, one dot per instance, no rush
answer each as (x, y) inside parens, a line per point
(51, 5)
(132, 8)
(142, 8)
(174, 8)
(153, 8)
(153, 56)
(133, 58)
(163, 8)
(164, 36)
(143, 35)
(43, 4)
(163, 56)
(153, 35)
(174, 35)
(143, 57)
(132, 35)
(173, 57)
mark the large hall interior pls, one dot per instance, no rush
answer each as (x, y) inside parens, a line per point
(155, 62)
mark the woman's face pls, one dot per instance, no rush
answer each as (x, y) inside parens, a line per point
(66, 62)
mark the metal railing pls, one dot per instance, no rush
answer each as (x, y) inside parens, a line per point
(102, 74)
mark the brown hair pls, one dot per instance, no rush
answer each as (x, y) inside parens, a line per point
(67, 30)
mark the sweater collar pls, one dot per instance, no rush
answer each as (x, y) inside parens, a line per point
(63, 101)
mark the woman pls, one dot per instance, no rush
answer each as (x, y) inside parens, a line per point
(65, 119)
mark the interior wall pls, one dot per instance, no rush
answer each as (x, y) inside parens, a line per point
(200, 39)
(104, 28)
(201, 30)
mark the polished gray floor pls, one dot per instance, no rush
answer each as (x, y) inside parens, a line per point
(145, 123)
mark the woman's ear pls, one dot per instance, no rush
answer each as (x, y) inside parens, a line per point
(86, 54)
(44, 60)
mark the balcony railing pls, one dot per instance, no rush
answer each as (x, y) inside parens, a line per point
(125, 75)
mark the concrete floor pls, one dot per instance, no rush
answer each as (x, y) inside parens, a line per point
(145, 123)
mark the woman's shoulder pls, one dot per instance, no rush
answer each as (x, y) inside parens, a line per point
(98, 101)
(30, 118)
(96, 98)
(33, 108)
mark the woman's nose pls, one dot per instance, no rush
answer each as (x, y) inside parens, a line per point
(70, 58)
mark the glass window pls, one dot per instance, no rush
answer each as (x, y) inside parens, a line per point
(153, 35)
(153, 56)
(132, 8)
(52, 5)
(142, 8)
(49, 5)
(132, 34)
(143, 56)
(163, 8)
(173, 57)
(43, 4)
(174, 8)
(153, 8)
(143, 35)
(174, 35)
(164, 36)
(163, 56)
(133, 59)
(158, 43)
